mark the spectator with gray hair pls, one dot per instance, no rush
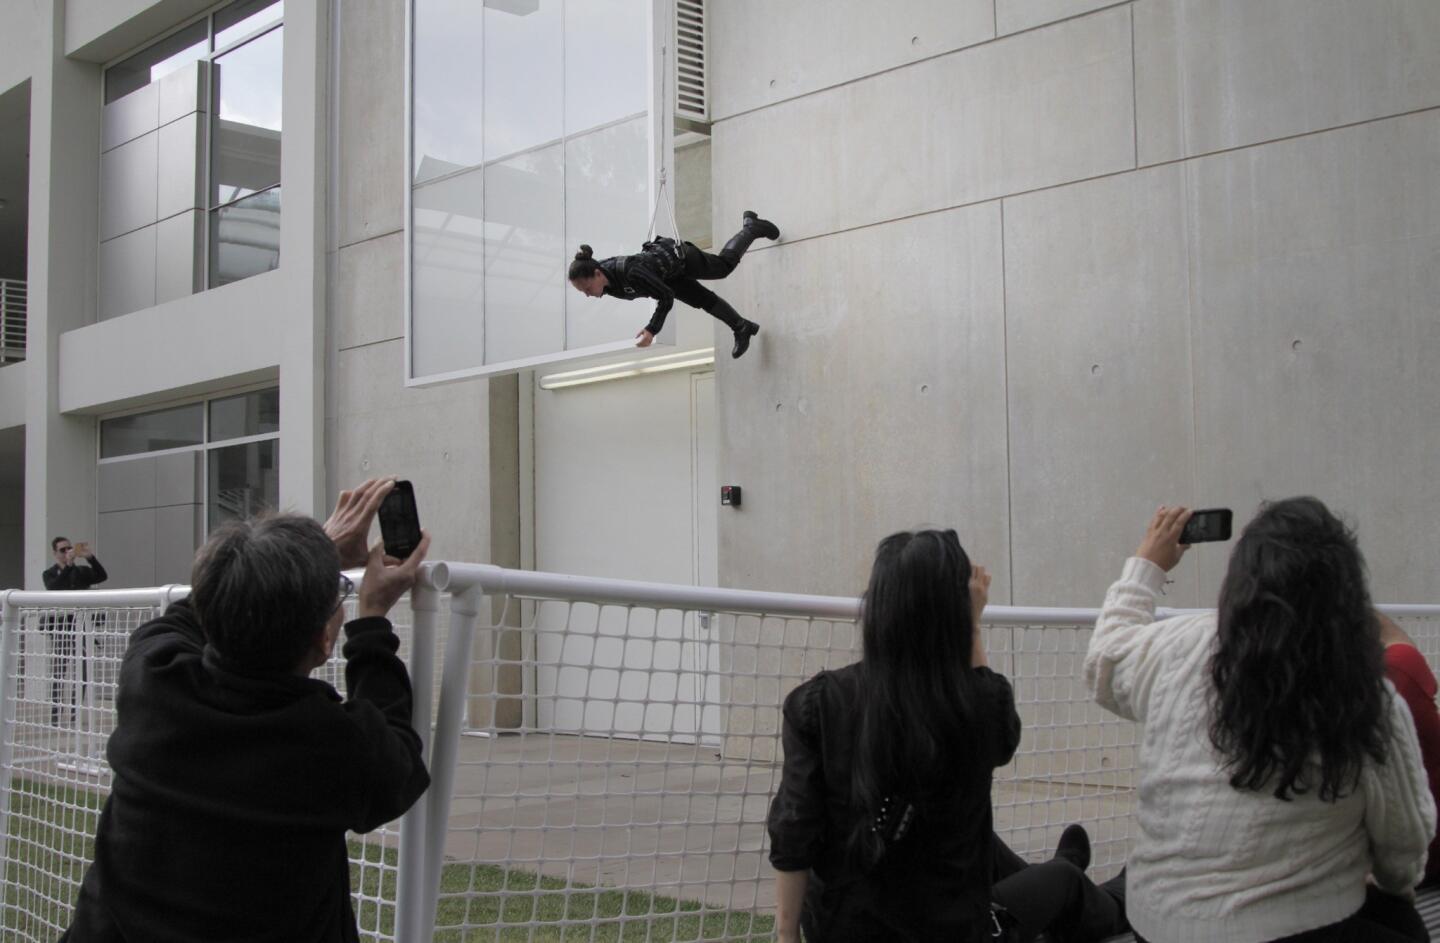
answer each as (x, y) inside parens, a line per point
(236, 775)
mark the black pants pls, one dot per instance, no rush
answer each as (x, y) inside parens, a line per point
(64, 655)
(1057, 898)
(1384, 918)
(700, 264)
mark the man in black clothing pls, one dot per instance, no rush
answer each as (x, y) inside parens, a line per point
(67, 574)
(236, 775)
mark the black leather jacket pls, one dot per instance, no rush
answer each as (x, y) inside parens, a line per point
(635, 276)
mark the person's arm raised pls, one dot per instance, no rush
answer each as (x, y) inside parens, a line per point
(349, 524)
(1118, 670)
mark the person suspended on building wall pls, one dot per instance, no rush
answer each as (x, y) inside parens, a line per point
(665, 270)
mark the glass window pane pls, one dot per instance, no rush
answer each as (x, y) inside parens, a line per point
(245, 238)
(524, 256)
(157, 61)
(447, 89)
(243, 481)
(524, 97)
(150, 432)
(247, 414)
(245, 127)
(607, 205)
(607, 62)
(239, 20)
(447, 330)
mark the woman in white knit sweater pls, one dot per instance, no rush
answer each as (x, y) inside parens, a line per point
(1277, 767)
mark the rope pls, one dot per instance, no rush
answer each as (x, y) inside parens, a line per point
(662, 195)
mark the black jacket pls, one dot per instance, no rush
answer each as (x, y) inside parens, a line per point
(233, 791)
(75, 577)
(933, 884)
(637, 276)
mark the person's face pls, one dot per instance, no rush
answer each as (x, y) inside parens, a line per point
(592, 287)
(64, 552)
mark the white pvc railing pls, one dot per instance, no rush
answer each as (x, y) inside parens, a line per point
(603, 757)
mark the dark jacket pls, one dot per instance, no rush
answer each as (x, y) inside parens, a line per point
(638, 276)
(933, 883)
(74, 577)
(233, 790)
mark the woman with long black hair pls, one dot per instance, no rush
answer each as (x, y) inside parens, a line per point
(666, 270)
(1277, 767)
(881, 828)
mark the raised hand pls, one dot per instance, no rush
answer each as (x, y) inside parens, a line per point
(349, 523)
(1161, 544)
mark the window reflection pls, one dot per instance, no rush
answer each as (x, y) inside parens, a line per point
(447, 87)
(245, 238)
(524, 97)
(155, 62)
(243, 480)
(234, 417)
(245, 128)
(448, 274)
(241, 19)
(524, 253)
(153, 431)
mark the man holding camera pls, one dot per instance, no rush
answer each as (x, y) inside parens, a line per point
(75, 568)
(236, 775)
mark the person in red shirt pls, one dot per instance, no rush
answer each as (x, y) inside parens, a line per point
(1406, 668)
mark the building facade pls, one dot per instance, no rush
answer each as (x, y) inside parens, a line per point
(1044, 266)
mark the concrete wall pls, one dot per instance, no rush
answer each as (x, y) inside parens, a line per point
(436, 437)
(1049, 264)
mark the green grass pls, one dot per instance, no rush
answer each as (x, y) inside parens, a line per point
(51, 842)
(487, 904)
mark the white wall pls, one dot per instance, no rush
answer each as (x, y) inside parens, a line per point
(1047, 265)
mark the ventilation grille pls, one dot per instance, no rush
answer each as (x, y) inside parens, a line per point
(690, 99)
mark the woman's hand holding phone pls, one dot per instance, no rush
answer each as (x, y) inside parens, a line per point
(1161, 544)
(979, 596)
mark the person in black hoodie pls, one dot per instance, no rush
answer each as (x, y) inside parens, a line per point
(236, 775)
(666, 270)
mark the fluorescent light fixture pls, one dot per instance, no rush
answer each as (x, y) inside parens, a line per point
(628, 368)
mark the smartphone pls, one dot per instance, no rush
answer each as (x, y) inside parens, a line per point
(400, 521)
(1207, 525)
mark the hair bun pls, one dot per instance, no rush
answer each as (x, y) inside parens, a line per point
(585, 252)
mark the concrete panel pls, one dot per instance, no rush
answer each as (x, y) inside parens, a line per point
(179, 264)
(125, 543)
(20, 42)
(12, 394)
(435, 437)
(1038, 109)
(1249, 72)
(371, 86)
(180, 152)
(179, 478)
(127, 273)
(126, 119)
(1316, 311)
(869, 404)
(370, 291)
(1097, 328)
(182, 92)
(178, 533)
(692, 193)
(763, 52)
(101, 30)
(1011, 16)
(128, 183)
(125, 486)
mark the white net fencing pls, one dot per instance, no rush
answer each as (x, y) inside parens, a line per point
(604, 757)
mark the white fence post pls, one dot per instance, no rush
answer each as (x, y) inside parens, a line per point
(410, 896)
(9, 648)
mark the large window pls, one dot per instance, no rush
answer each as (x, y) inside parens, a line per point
(236, 440)
(190, 164)
(531, 133)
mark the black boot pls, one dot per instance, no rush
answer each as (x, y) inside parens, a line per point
(742, 339)
(754, 228)
(762, 227)
(1074, 846)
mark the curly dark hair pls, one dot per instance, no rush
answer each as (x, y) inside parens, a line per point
(1298, 671)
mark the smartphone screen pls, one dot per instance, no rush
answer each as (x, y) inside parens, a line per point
(1208, 525)
(400, 521)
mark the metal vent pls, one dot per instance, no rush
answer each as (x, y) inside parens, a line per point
(692, 105)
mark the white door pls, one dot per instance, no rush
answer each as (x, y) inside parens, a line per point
(625, 487)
